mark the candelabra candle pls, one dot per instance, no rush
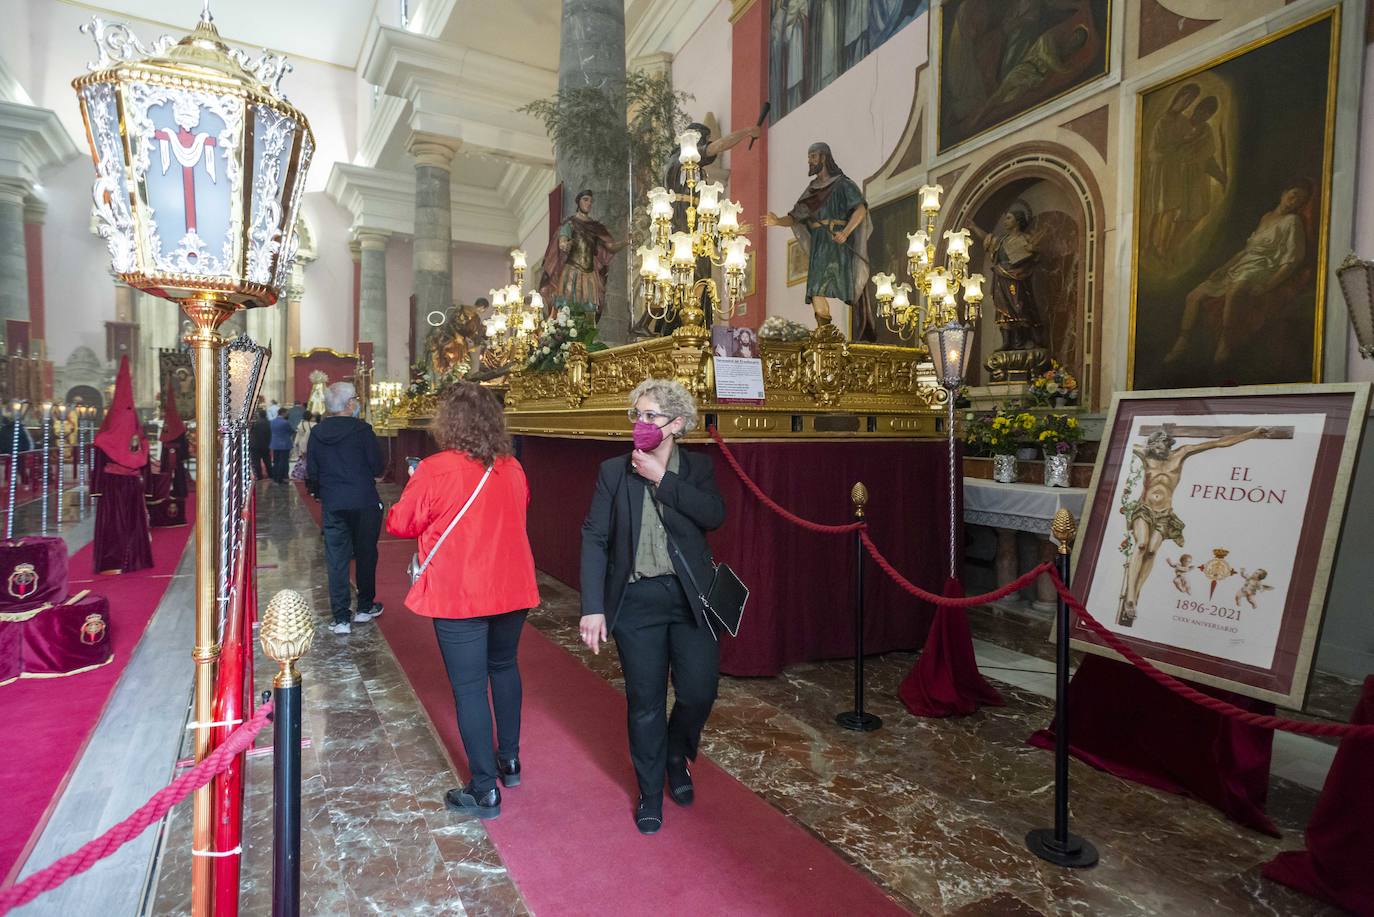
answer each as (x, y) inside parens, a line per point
(47, 454)
(16, 413)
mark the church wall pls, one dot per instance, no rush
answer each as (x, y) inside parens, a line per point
(700, 69)
(80, 291)
(861, 115)
(479, 268)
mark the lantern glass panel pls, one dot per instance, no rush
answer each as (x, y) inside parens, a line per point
(186, 164)
(274, 140)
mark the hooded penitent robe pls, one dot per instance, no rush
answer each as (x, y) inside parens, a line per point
(122, 542)
(175, 447)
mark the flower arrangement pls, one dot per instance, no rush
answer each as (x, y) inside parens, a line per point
(777, 328)
(1055, 382)
(557, 335)
(1001, 432)
(1058, 433)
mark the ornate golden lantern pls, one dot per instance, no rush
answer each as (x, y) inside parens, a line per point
(200, 164)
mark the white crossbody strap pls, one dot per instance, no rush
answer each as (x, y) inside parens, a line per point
(461, 513)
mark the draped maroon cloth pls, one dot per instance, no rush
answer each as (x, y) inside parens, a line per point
(33, 570)
(801, 603)
(122, 542)
(945, 681)
(1338, 863)
(1122, 722)
(54, 640)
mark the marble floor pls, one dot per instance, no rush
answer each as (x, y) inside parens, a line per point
(934, 811)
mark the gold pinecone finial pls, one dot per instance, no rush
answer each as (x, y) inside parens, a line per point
(288, 628)
(858, 495)
(1063, 528)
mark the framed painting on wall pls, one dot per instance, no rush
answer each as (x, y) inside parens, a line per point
(999, 60)
(1231, 215)
(796, 263)
(1213, 520)
(887, 246)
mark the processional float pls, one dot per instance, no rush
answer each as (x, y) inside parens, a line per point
(200, 164)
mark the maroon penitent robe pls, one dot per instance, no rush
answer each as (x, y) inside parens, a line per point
(122, 541)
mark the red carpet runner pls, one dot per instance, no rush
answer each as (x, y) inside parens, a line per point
(566, 833)
(54, 717)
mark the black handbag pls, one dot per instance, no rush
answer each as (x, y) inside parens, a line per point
(724, 599)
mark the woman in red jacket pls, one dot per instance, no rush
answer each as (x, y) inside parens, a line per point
(478, 584)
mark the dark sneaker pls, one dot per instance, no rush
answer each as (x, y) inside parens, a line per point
(509, 769)
(649, 814)
(680, 782)
(488, 805)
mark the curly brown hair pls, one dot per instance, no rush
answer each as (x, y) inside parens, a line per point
(470, 420)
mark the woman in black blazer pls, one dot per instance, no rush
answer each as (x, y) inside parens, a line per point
(643, 542)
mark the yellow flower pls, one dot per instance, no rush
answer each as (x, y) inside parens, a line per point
(1072, 422)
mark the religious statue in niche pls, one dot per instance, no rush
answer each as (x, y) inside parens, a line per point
(578, 260)
(319, 381)
(831, 223)
(1013, 260)
(711, 149)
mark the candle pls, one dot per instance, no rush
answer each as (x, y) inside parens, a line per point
(930, 197)
(883, 285)
(517, 258)
(729, 217)
(682, 249)
(687, 142)
(956, 243)
(735, 257)
(708, 201)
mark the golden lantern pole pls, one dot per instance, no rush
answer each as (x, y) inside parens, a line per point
(206, 316)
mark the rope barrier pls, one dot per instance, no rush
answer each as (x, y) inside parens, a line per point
(1180, 688)
(1216, 705)
(151, 811)
(768, 502)
(1016, 585)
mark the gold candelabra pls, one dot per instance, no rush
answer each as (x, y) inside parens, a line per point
(667, 262)
(937, 288)
(513, 325)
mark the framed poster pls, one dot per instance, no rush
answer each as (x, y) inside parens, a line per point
(1231, 213)
(797, 263)
(1213, 521)
(999, 60)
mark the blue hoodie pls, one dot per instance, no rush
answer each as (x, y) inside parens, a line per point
(281, 435)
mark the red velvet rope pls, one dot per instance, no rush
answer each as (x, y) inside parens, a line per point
(768, 502)
(1112, 640)
(1189, 693)
(1021, 582)
(151, 811)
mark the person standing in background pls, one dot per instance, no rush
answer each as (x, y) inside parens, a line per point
(343, 460)
(280, 444)
(260, 445)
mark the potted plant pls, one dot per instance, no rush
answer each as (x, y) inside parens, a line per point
(1058, 436)
(1055, 386)
(1022, 429)
(1000, 435)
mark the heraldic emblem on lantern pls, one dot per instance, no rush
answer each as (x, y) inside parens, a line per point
(200, 164)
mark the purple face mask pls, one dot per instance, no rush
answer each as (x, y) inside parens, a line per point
(647, 437)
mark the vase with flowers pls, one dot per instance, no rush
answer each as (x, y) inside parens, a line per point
(1055, 386)
(1058, 436)
(1002, 435)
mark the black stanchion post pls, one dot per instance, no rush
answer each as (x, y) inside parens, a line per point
(287, 629)
(1057, 844)
(857, 719)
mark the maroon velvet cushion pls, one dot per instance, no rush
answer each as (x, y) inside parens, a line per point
(67, 638)
(11, 650)
(33, 570)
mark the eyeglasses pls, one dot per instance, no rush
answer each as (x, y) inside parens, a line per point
(653, 417)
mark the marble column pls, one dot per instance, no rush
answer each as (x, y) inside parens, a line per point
(592, 53)
(433, 246)
(35, 215)
(14, 267)
(372, 298)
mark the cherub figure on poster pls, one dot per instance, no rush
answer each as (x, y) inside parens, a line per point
(1181, 568)
(1252, 587)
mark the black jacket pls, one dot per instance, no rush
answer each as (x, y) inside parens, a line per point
(691, 505)
(342, 460)
(260, 434)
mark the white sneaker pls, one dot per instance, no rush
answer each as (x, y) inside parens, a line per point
(363, 617)
(341, 628)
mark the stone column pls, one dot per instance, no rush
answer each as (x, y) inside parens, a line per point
(14, 266)
(433, 259)
(372, 298)
(592, 53)
(35, 215)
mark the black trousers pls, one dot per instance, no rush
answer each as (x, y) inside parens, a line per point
(351, 535)
(657, 635)
(279, 467)
(478, 652)
(262, 462)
